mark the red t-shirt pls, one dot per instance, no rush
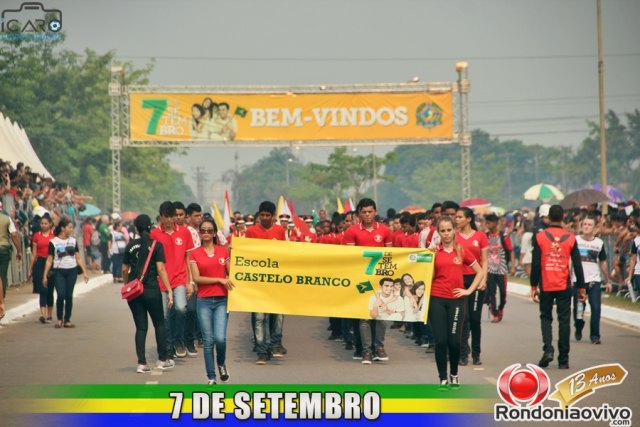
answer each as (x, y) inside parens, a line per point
(411, 241)
(276, 232)
(473, 244)
(211, 266)
(398, 239)
(42, 243)
(330, 239)
(447, 272)
(379, 236)
(176, 245)
(87, 231)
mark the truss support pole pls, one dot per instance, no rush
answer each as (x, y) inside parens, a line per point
(464, 136)
(115, 142)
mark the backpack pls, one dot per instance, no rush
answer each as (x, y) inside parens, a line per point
(95, 238)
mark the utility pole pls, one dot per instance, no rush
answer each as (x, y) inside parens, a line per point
(201, 179)
(603, 142)
(535, 168)
(508, 158)
(374, 174)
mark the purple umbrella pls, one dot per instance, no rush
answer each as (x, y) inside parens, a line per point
(613, 193)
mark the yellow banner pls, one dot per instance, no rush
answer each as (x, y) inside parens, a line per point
(577, 386)
(290, 117)
(330, 280)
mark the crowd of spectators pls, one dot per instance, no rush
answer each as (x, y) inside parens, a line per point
(25, 195)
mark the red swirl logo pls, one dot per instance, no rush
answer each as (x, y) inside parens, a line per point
(523, 387)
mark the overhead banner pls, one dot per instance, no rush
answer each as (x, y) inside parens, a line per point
(311, 279)
(290, 117)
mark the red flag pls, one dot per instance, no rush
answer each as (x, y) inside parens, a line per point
(305, 233)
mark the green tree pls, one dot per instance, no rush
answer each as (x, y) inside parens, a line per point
(60, 97)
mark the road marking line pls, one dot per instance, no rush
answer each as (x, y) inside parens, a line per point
(151, 382)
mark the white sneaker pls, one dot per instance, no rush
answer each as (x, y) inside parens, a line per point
(143, 369)
(211, 382)
(166, 364)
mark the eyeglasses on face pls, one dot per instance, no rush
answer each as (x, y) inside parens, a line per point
(207, 231)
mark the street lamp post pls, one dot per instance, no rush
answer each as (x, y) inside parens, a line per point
(289, 160)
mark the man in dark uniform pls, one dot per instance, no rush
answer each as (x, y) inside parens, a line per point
(553, 250)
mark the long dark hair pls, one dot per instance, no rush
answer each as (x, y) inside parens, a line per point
(64, 221)
(143, 226)
(469, 214)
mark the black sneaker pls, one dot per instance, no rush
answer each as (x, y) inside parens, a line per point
(181, 351)
(429, 348)
(200, 343)
(546, 358)
(262, 359)
(563, 365)
(464, 361)
(366, 358)
(191, 350)
(596, 341)
(278, 352)
(477, 361)
(348, 346)
(454, 381)
(224, 374)
(578, 335)
(357, 355)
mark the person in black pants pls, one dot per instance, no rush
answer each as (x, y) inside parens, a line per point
(446, 309)
(150, 302)
(553, 249)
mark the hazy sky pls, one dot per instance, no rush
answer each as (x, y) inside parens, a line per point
(532, 64)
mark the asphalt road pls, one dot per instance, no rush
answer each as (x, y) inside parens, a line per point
(101, 350)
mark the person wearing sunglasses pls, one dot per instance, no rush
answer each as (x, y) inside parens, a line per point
(209, 266)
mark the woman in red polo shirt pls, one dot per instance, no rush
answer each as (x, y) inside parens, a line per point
(40, 250)
(210, 271)
(477, 244)
(446, 307)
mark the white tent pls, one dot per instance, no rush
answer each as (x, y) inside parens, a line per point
(16, 147)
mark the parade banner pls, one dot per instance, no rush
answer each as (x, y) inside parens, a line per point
(330, 280)
(290, 117)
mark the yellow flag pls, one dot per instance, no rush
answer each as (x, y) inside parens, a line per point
(218, 216)
(340, 208)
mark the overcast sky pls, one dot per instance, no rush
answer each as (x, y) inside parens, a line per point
(532, 64)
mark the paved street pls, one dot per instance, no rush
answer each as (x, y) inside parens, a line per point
(101, 350)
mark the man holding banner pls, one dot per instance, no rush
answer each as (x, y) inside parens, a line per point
(369, 233)
(268, 341)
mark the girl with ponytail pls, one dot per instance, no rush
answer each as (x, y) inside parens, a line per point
(446, 307)
(150, 302)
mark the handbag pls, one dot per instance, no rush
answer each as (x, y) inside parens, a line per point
(134, 288)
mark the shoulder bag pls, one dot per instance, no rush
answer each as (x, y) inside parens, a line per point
(135, 288)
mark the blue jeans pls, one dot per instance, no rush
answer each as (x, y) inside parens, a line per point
(213, 316)
(174, 318)
(116, 265)
(595, 303)
(261, 332)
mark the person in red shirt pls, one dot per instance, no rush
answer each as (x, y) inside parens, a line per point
(40, 250)
(268, 230)
(446, 307)
(87, 231)
(368, 233)
(477, 244)
(177, 242)
(209, 266)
